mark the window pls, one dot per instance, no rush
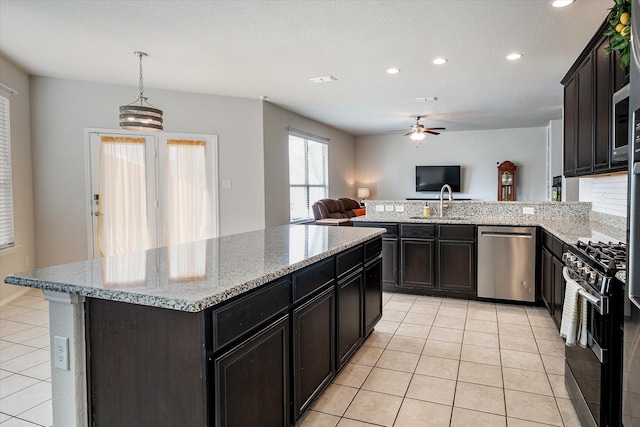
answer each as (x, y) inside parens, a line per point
(307, 175)
(6, 196)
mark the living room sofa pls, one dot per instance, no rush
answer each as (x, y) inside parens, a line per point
(336, 208)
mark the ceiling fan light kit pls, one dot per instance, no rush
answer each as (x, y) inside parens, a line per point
(140, 115)
(418, 131)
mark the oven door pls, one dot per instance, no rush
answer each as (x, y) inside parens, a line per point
(586, 368)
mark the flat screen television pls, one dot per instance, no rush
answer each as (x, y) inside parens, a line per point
(432, 178)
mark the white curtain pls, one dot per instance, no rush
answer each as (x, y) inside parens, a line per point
(186, 208)
(122, 206)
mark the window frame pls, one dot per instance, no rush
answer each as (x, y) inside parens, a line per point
(306, 139)
(6, 168)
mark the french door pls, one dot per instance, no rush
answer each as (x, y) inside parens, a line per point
(150, 190)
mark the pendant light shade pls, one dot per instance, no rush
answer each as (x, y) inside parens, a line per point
(140, 115)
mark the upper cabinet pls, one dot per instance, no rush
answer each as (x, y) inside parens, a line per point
(588, 88)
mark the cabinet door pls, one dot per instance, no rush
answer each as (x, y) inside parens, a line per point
(350, 317)
(602, 105)
(558, 290)
(584, 142)
(569, 148)
(546, 280)
(417, 259)
(457, 266)
(390, 262)
(252, 382)
(372, 295)
(313, 349)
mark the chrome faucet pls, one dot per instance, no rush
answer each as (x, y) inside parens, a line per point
(442, 205)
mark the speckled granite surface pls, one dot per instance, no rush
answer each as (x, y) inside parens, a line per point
(568, 221)
(194, 276)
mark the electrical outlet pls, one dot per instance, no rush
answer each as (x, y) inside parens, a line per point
(528, 211)
(61, 353)
(400, 208)
(226, 183)
(389, 208)
(379, 208)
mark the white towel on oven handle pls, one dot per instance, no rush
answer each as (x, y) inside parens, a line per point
(574, 314)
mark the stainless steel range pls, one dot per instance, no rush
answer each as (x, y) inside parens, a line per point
(593, 374)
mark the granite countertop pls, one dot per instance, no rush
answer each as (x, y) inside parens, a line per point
(567, 230)
(194, 276)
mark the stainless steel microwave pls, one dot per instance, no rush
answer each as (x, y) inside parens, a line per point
(620, 126)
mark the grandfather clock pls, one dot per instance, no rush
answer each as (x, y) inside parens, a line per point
(507, 181)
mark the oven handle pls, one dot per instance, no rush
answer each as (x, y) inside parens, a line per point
(597, 302)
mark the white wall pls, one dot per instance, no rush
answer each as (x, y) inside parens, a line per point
(386, 163)
(276, 160)
(15, 260)
(62, 109)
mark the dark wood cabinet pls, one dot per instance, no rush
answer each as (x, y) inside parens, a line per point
(546, 279)
(558, 290)
(588, 89)
(350, 315)
(390, 262)
(252, 380)
(372, 311)
(313, 349)
(584, 116)
(569, 147)
(456, 266)
(258, 359)
(417, 258)
(552, 282)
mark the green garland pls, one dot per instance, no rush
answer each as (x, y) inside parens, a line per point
(619, 31)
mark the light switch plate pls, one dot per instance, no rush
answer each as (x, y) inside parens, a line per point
(379, 208)
(528, 211)
(400, 208)
(389, 208)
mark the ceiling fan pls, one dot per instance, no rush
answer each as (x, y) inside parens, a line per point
(418, 131)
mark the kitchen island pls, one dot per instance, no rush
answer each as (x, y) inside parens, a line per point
(245, 329)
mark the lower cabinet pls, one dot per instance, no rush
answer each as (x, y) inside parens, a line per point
(438, 259)
(372, 310)
(390, 261)
(252, 380)
(552, 283)
(349, 320)
(313, 349)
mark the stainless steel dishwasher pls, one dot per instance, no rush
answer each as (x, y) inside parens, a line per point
(507, 263)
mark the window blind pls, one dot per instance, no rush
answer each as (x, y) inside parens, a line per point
(308, 180)
(6, 195)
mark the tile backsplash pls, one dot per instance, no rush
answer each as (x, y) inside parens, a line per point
(607, 194)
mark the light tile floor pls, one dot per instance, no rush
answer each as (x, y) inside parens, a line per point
(25, 369)
(429, 362)
(444, 362)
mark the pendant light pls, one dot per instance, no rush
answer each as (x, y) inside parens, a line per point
(140, 115)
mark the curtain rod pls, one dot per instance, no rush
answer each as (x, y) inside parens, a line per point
(308, 134)
(8, 89)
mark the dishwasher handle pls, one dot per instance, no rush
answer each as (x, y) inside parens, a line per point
(506, 234)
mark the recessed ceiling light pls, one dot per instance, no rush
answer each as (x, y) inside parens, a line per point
(393, 70)
(440, 61)
(514, 56)
(323, 79)
(561, 3)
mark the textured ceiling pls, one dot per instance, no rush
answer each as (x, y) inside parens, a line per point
(254, 48)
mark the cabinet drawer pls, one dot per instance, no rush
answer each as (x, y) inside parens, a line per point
(373, 248)
(242, 315)
(392, 227)
(313, 278)
(349, 260)
(417, 230)
(457, 232)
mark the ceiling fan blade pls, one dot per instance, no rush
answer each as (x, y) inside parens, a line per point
(409, 133)
(436, 128)
(432, 133)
